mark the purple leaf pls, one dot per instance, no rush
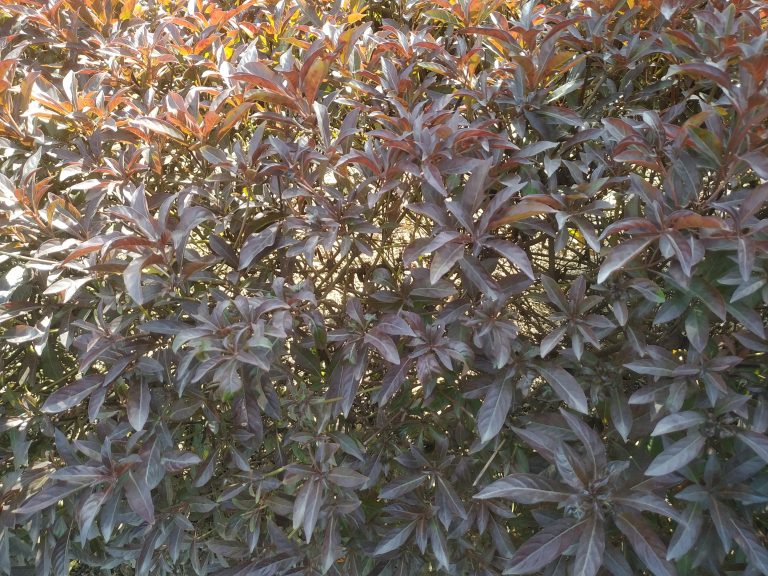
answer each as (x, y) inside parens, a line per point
(138, 404)
(444, 259)
(619, 256)
(394, 539)
(346, 477)
(593, 444)
(678, 421)
(589, 553)
(493, 412)
(140, 497)
(177, 460)
(677, 455)
(645, 542)
(71, 395)
(566, 387)
(384, 345)
(401, 486)
(525, 489)
(392, 381)
(479, 277)
(749, 541)
(256, 244)
(50, 494)
(514, 254)
(687, 533)
(87, 512)
(546, 546)
(757, 442)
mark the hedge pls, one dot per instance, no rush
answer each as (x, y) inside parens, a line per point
(467, 287)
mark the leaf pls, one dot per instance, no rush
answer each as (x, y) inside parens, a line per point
(138, 404)
(443, 260)
(87, 512)
(479, 276)
(439, 545)
(551, 340)
(520, 211)
(50, 494)
(707, 71)
(384, 344)
(177, 460)
(758, 161)
(651, 368)
(621, 413)
(392, 381)
(427, 245)
(677, 455)
(646, 544)
(346, 477)
(534, 149)
(21, 333)
(749, 542)
(70, 395)
(165, 326)
(591, 441)
(545, 546)
(474, 189)
(619, 256)
(589, 553)
(514, 254)
(331, 549)
(757, 442)
(139, 497)
(493, 412)
(402, 486)
(256, 244)
(132, 279)
(687, 533)
(566, 387)
(306, 507)
(678, 421)
(648, 502)
(554, 294)
(394, 539)
(525, 489)
(313, 72)
(158, 126)
(80, 474)
(448, 501)
(697, 328)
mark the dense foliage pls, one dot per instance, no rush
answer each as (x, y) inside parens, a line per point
(343, 287)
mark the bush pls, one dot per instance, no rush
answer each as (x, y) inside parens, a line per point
(382, 288)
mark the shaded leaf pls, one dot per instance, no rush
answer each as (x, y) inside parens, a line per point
(545, 547)
(566, 387)
(677, 455)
